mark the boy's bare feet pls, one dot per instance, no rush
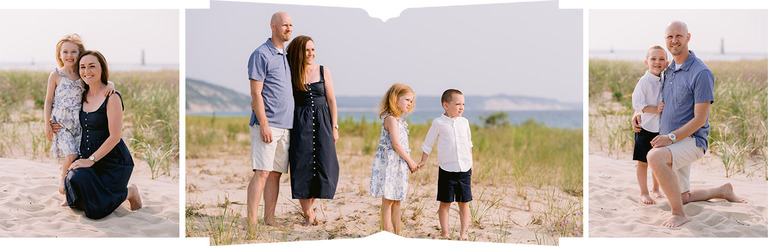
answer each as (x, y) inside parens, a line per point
(134, 198)
(645, 198)
(675, 221)
(463, 237)
(656, 194)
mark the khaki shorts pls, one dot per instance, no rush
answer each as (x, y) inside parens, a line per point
(270, 156)
(684, 153)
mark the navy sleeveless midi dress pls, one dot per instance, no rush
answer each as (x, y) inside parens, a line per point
(100, 189)
(314, 167)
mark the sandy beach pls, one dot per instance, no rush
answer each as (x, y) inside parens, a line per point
(616, 210)
(216, 207)
(30, 205)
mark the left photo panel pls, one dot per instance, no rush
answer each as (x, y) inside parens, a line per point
(89, 123)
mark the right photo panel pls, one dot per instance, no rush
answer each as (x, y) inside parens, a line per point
(677, 123)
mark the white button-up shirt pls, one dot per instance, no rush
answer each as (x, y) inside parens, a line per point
(647, 93)
(454, 143)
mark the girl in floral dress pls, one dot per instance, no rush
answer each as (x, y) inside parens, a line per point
(389, 174)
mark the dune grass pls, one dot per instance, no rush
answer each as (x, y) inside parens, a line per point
(150, 123)
(737, 118)
(526, 158)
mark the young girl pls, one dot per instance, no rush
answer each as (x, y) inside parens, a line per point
(389, 174)
(63, 101)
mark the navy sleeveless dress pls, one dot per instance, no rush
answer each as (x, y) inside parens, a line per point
(314, 166)
(100, 189)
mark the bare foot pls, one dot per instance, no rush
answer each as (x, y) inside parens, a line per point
(61, 185)
(445, 236)
(134, 197)
(675, 221)
(310, 218)
(464, 237)
(64, 203)
(656, 194)
(726, 192)
(645, 198)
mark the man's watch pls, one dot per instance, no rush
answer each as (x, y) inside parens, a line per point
(92, 158)
(336, 126)
(672, 137)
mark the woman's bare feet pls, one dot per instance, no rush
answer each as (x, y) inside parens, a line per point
(134, 198)
(645, 198)
(309, 218)
(675, 221)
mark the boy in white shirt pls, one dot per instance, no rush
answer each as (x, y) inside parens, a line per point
(646, 100)
(454, 155)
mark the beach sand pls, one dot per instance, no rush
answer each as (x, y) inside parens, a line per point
(615, 209)
(30, 205)
(216, 195)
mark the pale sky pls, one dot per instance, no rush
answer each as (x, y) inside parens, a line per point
(529, 49)
(118, 34)
(743, 31)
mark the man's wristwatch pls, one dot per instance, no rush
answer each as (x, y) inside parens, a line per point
(336, 126)
(672, 137)
(92, 158)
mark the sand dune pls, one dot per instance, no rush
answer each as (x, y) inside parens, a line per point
(616, 210)
(30, 205)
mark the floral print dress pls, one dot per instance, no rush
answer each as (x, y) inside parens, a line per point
(67, 102)
(389, 174)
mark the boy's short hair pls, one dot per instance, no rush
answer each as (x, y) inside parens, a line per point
(655, 47)
(448, 95)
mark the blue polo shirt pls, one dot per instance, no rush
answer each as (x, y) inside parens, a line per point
(270, 66)
(690, 84)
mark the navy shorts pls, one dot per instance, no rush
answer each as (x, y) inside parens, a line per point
(454, 186)
(643, 144)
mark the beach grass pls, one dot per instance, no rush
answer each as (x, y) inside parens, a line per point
(150, 120)
(738, 131)
(527, 158)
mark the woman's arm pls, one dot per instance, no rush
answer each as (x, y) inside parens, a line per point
(115, 119)
(390, 124)
(330, 96)
(48, 106)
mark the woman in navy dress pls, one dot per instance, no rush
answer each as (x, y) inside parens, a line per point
(314, 167)
(97, 182)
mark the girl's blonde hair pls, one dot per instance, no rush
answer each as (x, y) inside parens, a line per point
(388, 104)
(73, 38)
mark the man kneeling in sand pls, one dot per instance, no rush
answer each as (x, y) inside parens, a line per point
(687, 93)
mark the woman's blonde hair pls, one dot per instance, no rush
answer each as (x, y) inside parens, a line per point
(388, 104)
(73, 38)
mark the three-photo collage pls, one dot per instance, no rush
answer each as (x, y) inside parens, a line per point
(445, 123)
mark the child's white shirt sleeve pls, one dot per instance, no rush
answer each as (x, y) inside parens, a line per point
(638, 96)
(431, 138)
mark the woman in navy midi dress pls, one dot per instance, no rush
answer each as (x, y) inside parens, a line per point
(314, 166)
(97, 182)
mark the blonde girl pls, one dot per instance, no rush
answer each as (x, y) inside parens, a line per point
(63, 101)
(392, 164)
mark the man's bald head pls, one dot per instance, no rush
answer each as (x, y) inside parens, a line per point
(679, 25)
(677, 37)
(278, 17)
(282, 27)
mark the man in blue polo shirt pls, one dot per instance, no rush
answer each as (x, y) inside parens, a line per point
(687, 94)
(271, 118)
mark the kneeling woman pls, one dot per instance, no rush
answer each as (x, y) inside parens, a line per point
(97, 182)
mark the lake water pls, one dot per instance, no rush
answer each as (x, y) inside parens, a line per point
(639, 55)
(555, 119)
